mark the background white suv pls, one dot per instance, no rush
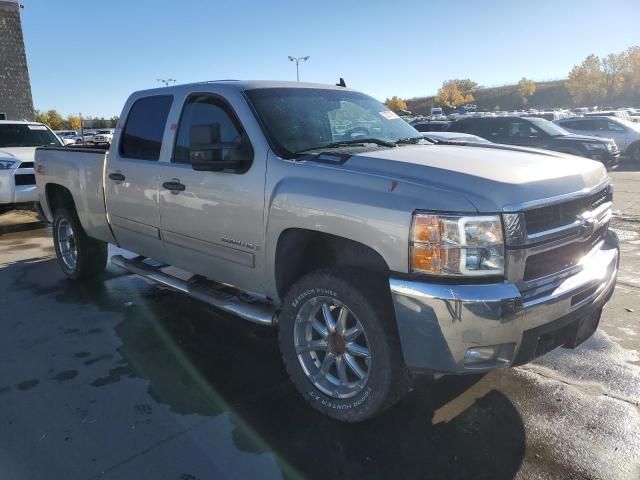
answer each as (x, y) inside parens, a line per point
(18, 143)
(626, 134)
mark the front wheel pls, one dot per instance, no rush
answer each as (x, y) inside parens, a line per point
(79, 256)
(340, 345)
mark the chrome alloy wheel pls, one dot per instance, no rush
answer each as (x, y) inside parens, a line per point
(332, 347)
(67, 244)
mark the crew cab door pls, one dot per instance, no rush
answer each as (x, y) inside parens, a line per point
(213, 220)
(132, 178)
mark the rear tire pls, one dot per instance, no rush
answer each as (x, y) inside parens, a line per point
(634, 152)
(346, 375)
(79, 256)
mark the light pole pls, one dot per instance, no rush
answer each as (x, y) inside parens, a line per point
(166, 81)
(298, 60)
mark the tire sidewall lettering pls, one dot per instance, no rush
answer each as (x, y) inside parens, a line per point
(315, 292)
(340, 405)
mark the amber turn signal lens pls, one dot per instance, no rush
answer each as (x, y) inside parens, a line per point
(427, 228)
(427, 258)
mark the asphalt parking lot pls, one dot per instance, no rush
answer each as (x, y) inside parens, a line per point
(119, 379)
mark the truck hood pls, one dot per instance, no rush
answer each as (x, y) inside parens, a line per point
(490, 178)
(24, 154)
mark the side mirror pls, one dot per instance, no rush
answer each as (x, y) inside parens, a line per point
(207, 153)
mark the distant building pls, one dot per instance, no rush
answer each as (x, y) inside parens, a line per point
(16, 102)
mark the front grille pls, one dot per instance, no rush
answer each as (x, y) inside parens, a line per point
(27, 179)
(26, 165)
(554, 216)
(561, 258)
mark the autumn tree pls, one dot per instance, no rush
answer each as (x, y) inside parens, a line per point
(395, 103)
(51, 118)
(74, 122)
(451, 95)
(466, 85)
(631, 71)
(586, 82)
(526, 88)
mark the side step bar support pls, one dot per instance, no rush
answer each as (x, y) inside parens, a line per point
(257, 312)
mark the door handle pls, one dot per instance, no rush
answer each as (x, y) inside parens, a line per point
(118, 177)
(175, 186)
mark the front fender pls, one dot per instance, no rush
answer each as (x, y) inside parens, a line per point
(373, 210)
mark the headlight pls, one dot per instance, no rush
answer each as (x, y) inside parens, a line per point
(457, 245)
(594, 146)
(7, 164)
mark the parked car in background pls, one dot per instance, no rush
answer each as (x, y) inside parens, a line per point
(374, 253)
(18, 142)
(539, 133)
(86, 136)
(609, 113)
(103, 137)
(625, 133)
(67, 137)
(436, 112)
(431, 125)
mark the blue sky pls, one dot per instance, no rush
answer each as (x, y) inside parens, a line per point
(89, 56)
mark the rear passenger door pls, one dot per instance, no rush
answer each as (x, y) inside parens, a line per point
(132, 177)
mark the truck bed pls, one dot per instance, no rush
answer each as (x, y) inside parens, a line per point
(79, 170)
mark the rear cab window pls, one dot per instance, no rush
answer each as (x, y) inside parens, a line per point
(142, 135)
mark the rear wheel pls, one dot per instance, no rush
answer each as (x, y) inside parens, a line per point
(634, 152)
(340, 345)
(79, 256)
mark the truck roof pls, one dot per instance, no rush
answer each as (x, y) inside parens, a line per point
(18, 122)
(242, 85)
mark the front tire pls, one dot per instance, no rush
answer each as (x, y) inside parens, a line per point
(79, 256)
(340, 345)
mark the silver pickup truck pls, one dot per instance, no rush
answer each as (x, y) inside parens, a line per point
(313, 208)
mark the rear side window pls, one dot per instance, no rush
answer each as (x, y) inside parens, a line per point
(142, 135)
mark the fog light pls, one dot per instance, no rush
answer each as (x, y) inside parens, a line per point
(489, 356)
(480, 355)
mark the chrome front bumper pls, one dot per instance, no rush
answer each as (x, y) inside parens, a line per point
(453, 328)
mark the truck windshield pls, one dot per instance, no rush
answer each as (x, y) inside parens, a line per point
(26, 135)
(299, 120)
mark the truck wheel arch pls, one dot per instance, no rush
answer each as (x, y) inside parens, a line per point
(301, 251)
(58, 197)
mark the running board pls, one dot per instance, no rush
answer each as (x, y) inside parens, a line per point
(215, 294)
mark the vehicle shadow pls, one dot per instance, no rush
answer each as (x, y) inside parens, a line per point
(199, 361)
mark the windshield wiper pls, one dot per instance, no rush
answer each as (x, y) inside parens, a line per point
(413, 140)
(346, 143)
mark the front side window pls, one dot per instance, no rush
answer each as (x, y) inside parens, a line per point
(142, 135)
(522, 129)
(210, 132)
(26, 135)
(299, 120)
